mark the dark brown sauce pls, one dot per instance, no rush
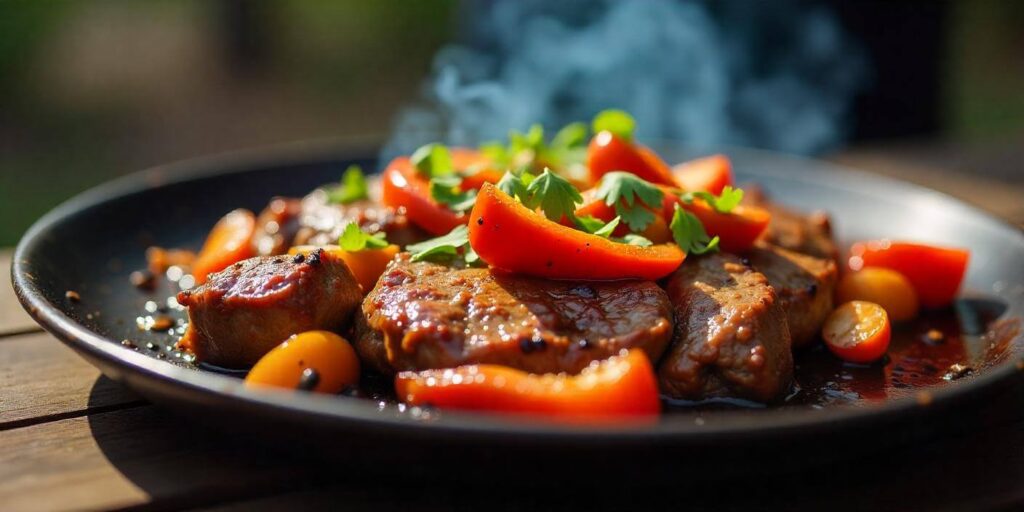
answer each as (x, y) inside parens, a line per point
(972, 338)
(936, 348)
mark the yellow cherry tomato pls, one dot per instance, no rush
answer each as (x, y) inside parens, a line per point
(858, 332)
(885, 287)
(318, 361)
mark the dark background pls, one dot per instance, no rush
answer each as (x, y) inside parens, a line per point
(94, 89)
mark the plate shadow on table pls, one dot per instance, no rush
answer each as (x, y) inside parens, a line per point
(181, 462)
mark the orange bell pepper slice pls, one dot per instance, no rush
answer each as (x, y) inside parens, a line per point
(708, 174)
(510, 237)
(935, 272)
(736, 230)
(404, 187)
(229, 242)
(607, 153)
(366, 265)
(620, 388)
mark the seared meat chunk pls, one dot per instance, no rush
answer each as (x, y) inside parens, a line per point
(277, 226)
(731, 337)
(424, 315)
(322, 221)
(805, 286)
(241, 313)
(809, 234)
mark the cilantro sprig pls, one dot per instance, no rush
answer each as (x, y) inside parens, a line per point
(618, 122)
(353, 187)
(554, 195)
(633, 198)
(689, 233)
(353, 239)
(725, 202)
(433, 160)
(445, 248)
(528, 149)
(445, 190)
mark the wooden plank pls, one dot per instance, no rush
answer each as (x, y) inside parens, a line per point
(13, 318)
(140, 456)
(41, 379)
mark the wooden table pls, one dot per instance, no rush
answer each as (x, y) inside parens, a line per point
(72, 439)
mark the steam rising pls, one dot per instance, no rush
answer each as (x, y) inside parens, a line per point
(777, 75)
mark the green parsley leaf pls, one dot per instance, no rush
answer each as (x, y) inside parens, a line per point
(445, 190)
(554, 195)
(625, 191)
(433, 160)
(572, 135)
(606, 230)
(618, 122)
(723, 203)
(353, 239)
(634, 239)
(689, 233)
(512, 184)
(442, 248)
(588, 223)
(353, 187)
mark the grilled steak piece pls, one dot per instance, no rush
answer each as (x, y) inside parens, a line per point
(242, 312)
(425, 315)
(809, 234)
(805, 286)
(731, 338)
(322, 221)
(277, 226)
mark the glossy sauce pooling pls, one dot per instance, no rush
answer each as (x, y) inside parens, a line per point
(934, 349)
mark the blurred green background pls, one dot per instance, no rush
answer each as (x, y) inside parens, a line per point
(94, 89)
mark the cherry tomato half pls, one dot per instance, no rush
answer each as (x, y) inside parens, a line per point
(858, 331)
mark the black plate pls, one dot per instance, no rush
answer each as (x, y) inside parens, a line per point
(91, 243)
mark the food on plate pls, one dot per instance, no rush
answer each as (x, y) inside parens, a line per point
(228, 242)
(731, 339)
(805, 285)
(709, 174)
(935, 272)
(319, 361)
(858, 331)
(242, 312)
(425, 315)
(883, 286)
(576, 278)
(622, 387)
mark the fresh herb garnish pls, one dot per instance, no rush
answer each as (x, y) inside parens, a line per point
(606, 230)
(725, 202)
(515, 183)
(689, 233)
(445, 190)
(572, 135)
(554, 195)
(528, 149)
(353, 239)
(618, 122)
(352, 188)
(588, 223)
(628, 194)
(634, 239)
(433, 160)
(444, 248)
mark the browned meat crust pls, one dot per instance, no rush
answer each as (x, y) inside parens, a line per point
(805, 286)
(809, 234)
(241, 313)
(322, 222)
(424, 315)
(731, 338)
(276, 226)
